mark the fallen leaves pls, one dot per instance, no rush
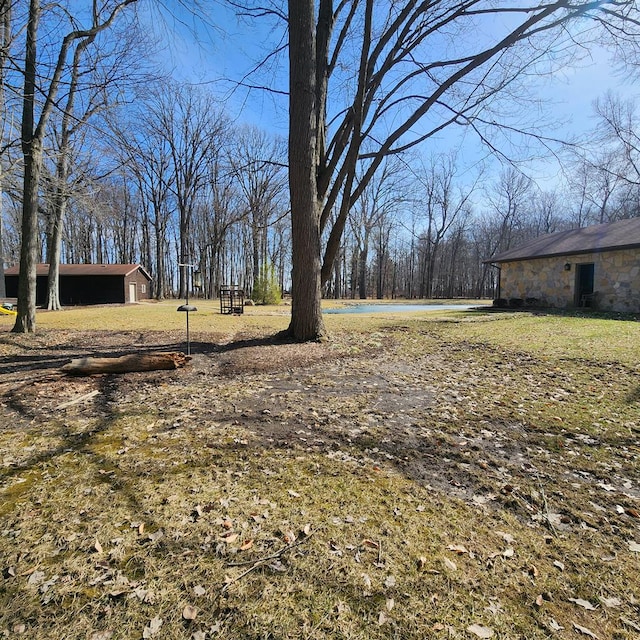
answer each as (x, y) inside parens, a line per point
(229, 515)
(507, 537)
(585, 604)
(555, 626)
(585, 631)
(152, 628)
(229, 537)
(370, 544)
(190, 612)
(36, 578)
(289, 536)
(144, 595)
(458, 548)
(611, 603)
(480, 631)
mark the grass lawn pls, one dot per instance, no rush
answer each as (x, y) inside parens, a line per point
(450, 474)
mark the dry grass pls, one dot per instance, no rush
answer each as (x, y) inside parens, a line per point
(410, 478)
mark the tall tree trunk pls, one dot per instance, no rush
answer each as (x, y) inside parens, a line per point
(306, 313)
(54, 247)
(160, 280)
(5, 39)
(183, 253)
(362, 270)
(3, 290)
(32, 152)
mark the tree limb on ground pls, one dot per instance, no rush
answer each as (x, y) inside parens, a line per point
(126, 364)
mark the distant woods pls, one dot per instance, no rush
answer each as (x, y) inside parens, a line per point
(139, 168)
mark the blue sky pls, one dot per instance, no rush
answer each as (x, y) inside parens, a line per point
(218, 54)
(226, 48)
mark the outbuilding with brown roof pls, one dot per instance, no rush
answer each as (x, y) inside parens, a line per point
(89, 283)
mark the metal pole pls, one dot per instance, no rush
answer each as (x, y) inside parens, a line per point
(187, 307)
(188, 270)
(188, 338)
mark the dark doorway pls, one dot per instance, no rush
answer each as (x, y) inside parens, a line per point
(584, 284)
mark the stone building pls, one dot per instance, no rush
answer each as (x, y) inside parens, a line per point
(597, 266)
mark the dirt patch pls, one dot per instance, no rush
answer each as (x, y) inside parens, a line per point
(399, 483)
(465, 419)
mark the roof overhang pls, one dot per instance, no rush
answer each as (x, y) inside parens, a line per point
(521, 258)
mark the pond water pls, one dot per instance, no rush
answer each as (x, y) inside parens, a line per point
(396, 308)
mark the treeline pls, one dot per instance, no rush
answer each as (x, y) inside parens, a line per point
(139, 168)
(430, 234)
(174, 181)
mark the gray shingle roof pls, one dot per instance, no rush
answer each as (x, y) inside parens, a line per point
(624, 234)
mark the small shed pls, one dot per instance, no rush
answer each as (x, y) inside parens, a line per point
(596, 266)
(88, 283)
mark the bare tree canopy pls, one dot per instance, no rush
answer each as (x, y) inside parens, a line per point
(419, 68)
(165, 172)
(35, 116)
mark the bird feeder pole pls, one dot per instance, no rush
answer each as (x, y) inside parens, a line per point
(186, 307)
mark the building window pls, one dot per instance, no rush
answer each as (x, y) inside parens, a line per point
(143, 288)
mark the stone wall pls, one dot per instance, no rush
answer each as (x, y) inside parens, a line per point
(616, 280)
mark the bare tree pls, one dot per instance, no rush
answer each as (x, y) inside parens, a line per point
(403, 94)
(547, 214)
(95, 70)
(444, 203)
(508, 198)
(371, 216)
(146, 155)
(598, 176)
(214, 222)
(306, 119)
(613, 162)
(192, 125)
(256, 162)
(33, 134)
(5, 41)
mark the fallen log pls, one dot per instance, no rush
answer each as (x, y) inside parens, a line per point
(126, 364)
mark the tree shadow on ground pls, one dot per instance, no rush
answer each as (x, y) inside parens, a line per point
(634, 396)
(381, 413)
(71, 441)
(39, 358)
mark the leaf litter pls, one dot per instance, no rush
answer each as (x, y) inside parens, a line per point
(384, 457)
